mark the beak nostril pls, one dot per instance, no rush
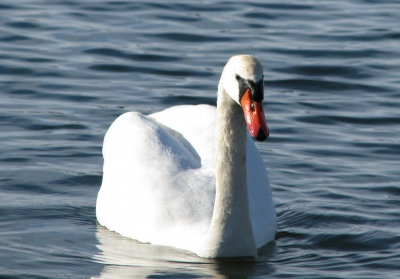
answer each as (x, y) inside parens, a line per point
(252, 106)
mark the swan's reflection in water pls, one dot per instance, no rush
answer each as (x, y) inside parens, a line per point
(126, 258)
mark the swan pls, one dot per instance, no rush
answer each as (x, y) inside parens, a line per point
(191, 177)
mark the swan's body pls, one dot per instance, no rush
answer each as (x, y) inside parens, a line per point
(190, 176)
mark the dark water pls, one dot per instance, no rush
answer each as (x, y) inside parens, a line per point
(69, 68)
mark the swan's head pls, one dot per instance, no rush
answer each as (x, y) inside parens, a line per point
(243, 80)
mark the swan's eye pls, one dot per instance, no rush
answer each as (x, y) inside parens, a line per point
(237, 77)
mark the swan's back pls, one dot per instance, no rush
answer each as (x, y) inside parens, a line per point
(196, 124)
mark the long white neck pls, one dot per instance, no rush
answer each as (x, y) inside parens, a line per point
(230, 233)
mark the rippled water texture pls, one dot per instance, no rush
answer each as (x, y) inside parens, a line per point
(69, 68)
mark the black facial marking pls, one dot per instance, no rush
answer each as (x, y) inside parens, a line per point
(257, 89)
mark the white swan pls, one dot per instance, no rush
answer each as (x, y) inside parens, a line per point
(190, 176)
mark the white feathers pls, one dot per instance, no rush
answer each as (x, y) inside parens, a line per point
(159, 179)
(155, 190)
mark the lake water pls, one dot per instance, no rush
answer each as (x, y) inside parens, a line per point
(68, 68)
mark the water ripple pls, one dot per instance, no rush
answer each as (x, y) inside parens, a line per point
(332, 91)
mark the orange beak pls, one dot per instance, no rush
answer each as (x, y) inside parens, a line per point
(255, 118)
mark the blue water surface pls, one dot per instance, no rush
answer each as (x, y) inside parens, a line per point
(68, 68)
